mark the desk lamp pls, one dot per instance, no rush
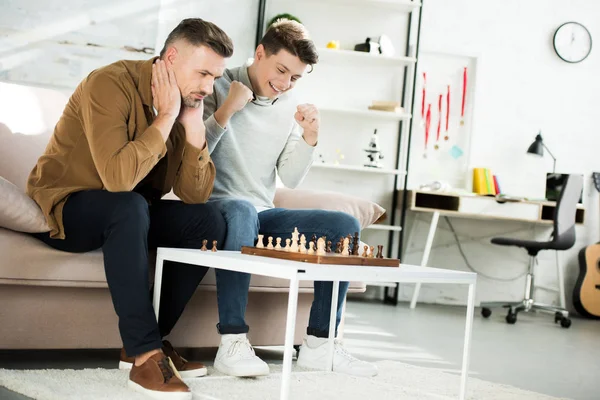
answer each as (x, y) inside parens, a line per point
(537, 148)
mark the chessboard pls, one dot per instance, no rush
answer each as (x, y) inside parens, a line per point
(328, 258)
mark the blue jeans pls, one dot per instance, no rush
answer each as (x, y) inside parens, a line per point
(244, 224)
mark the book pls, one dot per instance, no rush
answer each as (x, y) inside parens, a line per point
(387, 108)
(479, 185)
(496, 185)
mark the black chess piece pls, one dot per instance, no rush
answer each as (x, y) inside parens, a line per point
(379, 251)
(355, 245)
(338, 248)
(314, 239)
(328, 248)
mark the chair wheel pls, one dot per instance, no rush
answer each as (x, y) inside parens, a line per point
(511, 318)
(486, 312)
(558, 317)
(565, 322)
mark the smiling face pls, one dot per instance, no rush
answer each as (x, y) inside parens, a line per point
(274, 74)
(195, 68)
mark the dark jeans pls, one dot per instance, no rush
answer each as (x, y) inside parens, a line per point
(243, 226)
(125, 227)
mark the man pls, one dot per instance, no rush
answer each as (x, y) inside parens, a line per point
(131, 132)
(256, 131)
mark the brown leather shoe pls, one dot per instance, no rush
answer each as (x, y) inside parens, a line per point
(158, 379)
(187, 369)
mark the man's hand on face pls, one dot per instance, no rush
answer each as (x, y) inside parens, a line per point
(239, 95)
(165, 92)
(308, 118)
(192, 120)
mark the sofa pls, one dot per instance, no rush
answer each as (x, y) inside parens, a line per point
(56, 300)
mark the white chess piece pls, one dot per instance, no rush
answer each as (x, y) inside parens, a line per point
(345, 249)
(260, 244)
(294, 245)
(311, 249)
(270, 243)
(321, 247)
(302, 248)
(287, 245)
(278, 244)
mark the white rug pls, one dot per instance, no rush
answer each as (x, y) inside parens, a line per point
(395, 381)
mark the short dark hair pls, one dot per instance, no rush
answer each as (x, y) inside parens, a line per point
(198, 32)
(293, 37)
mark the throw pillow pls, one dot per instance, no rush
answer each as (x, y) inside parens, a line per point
(366, 211)
(18, 211)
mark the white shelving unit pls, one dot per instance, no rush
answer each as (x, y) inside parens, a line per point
(344, 84)
(365, 113)
(358, 168)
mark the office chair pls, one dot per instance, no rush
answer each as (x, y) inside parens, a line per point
(563, 238)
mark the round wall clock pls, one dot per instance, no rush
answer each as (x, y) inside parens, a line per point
(572, 42)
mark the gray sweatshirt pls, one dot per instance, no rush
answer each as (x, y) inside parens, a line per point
(260, 141)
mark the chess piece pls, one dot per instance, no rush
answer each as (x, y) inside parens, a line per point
(321, 247)
(270, 243)
(372, 253)
(214, 248)
(278, 244)
(203, 248)
(311, 248)
(366, 251)
(314, 238)
(379, 251)
(302, 247)
(328, 248)
(294, 245)
(260, 244)
(338, 248)
(345, 250)
(287, 245)
(355, 244)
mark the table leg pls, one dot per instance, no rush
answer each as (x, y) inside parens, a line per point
(428, 244)
(467, 343)
(157, 283)
(290, 328)
(332, 321)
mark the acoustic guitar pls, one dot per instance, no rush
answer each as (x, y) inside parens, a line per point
(586, 295)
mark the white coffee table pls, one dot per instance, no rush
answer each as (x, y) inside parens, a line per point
(296, 271)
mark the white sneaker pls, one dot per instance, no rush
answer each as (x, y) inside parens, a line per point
(236, 357)
(313, 355)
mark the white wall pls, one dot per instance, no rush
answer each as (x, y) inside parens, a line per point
(522, 86)
(56, 43)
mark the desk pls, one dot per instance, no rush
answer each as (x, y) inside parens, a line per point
(481, 207)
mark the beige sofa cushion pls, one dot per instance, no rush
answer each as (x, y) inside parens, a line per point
(19, 212)
(364, 210)
(49, 267)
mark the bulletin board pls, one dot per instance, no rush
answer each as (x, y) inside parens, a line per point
(442, 81)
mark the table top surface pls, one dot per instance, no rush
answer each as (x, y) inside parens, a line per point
(287, 269)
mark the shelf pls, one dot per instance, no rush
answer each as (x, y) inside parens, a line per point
(395, 5)
(358, 168)
(381, 284)
(351, 57)
(381, 227)
(375, 114)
